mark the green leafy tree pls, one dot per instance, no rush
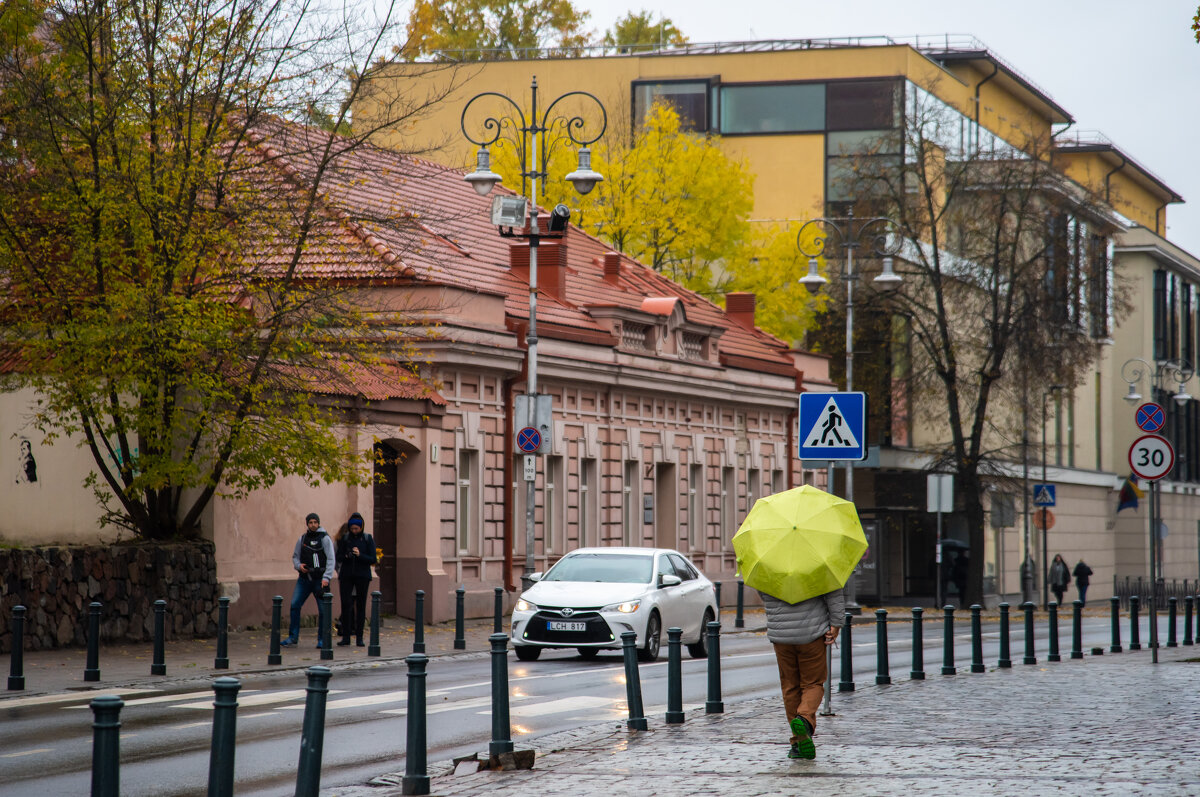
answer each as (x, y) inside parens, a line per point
(469, 30)
(161, 221)
(638, 30)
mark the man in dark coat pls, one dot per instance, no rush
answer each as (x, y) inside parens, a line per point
(313, 559)
(1082, 575)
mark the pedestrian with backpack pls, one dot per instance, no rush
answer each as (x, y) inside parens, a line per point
(355, 555)
(313, 559)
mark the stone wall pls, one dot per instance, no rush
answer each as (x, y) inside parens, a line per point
(57, 584)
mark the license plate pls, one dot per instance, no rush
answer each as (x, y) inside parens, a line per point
(563, 625)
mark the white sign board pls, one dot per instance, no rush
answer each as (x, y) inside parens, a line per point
(939, 492)
(1151, 457)
(530, 467)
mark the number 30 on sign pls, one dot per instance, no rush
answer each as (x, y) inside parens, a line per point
(1151, 457)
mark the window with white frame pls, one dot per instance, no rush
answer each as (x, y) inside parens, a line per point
(728, 503)
(696, 506)
(631, 499)
(553, 526)
(753, 488)
(588, 496)
(467, 509)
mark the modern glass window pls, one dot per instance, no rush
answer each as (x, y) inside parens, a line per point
(862, 104)
(631, 502)
(775, 108)
(696, 506)
(688, 98)
(466, 511)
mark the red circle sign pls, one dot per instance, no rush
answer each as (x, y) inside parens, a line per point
(1150, 417)
(1151, 457)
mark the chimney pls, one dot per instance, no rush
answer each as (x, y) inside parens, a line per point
(611, 263)
(552, 266)
(740, 308)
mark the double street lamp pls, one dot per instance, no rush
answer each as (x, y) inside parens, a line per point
(533, 151)
(879, 236)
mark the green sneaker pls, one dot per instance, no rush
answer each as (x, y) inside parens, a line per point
(804, 746)
(793, 752)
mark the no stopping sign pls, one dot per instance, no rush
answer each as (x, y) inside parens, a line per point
(1151, 457)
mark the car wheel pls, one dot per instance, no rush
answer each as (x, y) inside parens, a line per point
(699, 649)
(528, 652)
(649, 651)
(587, 654)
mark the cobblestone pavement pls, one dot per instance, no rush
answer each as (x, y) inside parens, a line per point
(1104, 725)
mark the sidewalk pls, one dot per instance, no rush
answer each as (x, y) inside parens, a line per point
(1105, 725)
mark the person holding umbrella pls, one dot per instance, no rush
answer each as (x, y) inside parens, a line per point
(797, 549)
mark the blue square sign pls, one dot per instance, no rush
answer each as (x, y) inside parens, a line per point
(833, 426)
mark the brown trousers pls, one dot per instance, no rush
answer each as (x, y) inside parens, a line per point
(802, 672)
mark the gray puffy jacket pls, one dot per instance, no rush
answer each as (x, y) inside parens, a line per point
(803, 622)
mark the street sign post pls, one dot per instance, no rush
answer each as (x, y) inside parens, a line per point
(833, 426)
(1151, 457)
(529, 440)
(939, 498)
(1044, 495)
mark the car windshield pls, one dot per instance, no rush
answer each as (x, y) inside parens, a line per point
(607, 567)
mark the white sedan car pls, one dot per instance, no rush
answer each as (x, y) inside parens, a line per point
(592, 595)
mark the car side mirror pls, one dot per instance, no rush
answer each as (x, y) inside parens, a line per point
(535, 577)
(669, 581)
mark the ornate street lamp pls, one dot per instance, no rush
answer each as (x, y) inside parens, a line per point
(534, 155)
(880, 237)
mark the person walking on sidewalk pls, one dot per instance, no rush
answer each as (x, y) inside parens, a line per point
(1082, 579)
(800, 633)
(1060, 577)
(314, 560)
(355, 555)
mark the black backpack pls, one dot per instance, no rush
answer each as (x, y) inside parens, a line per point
(312, 552)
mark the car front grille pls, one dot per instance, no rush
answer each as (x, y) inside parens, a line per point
(538, 630)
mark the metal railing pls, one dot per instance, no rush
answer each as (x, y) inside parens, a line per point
(1126, 586)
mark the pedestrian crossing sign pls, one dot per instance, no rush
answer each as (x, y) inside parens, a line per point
(1043, 494)
(833, 426)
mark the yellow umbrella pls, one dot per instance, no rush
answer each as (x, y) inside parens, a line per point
(799, 544)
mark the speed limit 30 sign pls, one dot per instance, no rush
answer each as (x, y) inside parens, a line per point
(1151, 457)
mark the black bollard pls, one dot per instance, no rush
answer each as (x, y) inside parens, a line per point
(106, 745)
(460, 637)
(1172, 611)
(1005, 660)
(717, 590)
(948, 667)
(674, 676)
(1135, 638)
(501, 727)
(918, 645)
(1052, 619)
(325, 618)
(882, 676)
(373, 647)
(739, 620)
(16, 663)
(91, 670)
(846, 684)
(1116, 624)
(273, 656)
(159, 664)
(312, 736)
(416, 776)
(1187, 619)
(498, 612)
(224, 737)
(1030, 657)
(221, 662)
(977, 639)
(633, 683)
(714, 704)
(419, 623)
(1077, 630)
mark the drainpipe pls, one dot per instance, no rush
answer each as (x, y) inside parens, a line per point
(1110, 174)
(792, 418)
(978, 86)
(1157, 224)
(506, 395)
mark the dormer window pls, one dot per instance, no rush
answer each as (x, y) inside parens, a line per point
(692, 345)
(634, 336)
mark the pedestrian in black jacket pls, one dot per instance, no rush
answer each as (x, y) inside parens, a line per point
(313, 562)
(1082, 575)
(355, 555)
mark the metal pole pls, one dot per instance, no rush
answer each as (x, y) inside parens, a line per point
(419, 623)
(501, 727)
(846, 684)
(1045, 533)
(1135, 640)
(714, 704)
(633, 683)
(106, 746)
(325, 618)
(976, 639)
(674, 676)
(851, 588)
(273, 656)
(882, 675)
(1052, 619)
(159, 665)
(224, 737)
(1077, 630)
(1172, 613)
(460, 639)
(918, 645)
(91, 670)
(1153, 606)
(373, 646)
(221, 662)
(1030, 655)
(1116, 624)
(948, 667)
(717, 598)
(1005, 660)
(416, 777)
(739, 620)
(498, 612)
(1187, 619)
(531, 336)
(312, 735)
(16, 663)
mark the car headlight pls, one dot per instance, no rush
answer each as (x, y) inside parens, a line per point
(525, 606)
(628, 607)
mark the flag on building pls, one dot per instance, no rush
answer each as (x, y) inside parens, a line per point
(1129, 495)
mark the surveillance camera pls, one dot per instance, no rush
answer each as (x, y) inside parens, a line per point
(559, 218)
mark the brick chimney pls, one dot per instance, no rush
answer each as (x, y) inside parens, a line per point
(552, 266)
(740, 308)
(611, 261)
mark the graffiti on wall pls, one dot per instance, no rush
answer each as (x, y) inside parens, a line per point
(26, 464)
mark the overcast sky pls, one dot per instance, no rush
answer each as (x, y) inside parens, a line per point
(1130, 70)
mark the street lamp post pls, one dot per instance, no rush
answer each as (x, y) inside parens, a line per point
(1178, 371)
(1057, 389)
(534, 155)
(877, 233)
